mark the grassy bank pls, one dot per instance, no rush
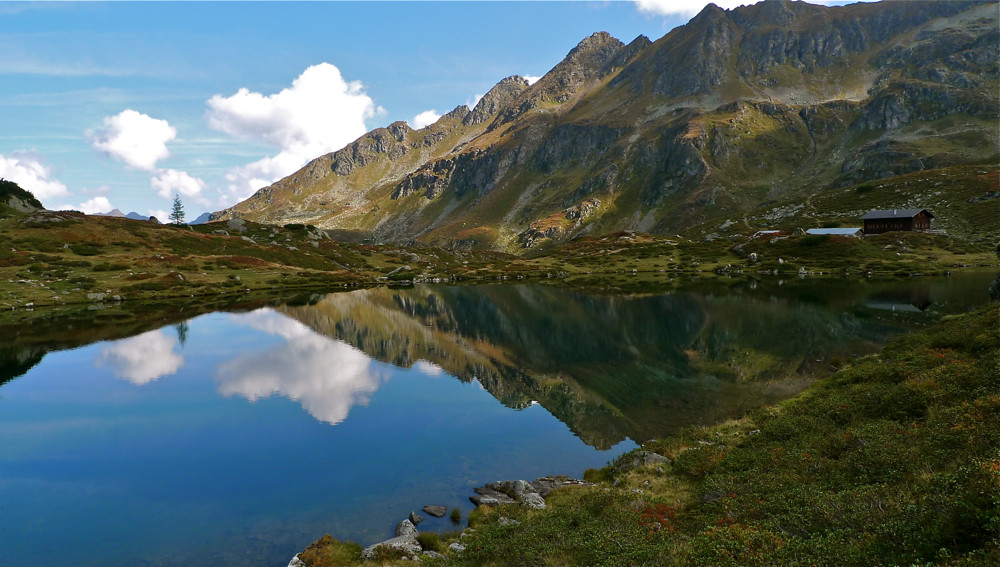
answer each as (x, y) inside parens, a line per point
(59, 258)
(894, 460)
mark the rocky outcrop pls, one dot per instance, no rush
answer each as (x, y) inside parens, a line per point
(405, 542)
(499, 97)
(882, 159)
(367, 149)
(528, 494)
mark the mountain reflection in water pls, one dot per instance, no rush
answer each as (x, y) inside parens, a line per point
(610, 367)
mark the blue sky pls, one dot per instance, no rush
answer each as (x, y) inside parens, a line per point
(124, 104)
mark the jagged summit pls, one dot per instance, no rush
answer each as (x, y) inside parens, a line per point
(775, 100)
(496, 98)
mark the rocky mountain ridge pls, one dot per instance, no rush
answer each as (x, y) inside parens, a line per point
(737, 108)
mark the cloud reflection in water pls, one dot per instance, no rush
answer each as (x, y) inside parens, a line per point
(326, 377)
(142, 358)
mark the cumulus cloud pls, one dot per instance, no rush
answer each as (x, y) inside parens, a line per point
(166, 182)
(425, 118)
(93, 206)
(531, 79)
(143, 358)
(28, 170)
(685, 7)
(318, 114)
(160, 214)
(326, 377)
(134, 138)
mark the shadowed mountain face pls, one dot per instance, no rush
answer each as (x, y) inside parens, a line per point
(778, 100)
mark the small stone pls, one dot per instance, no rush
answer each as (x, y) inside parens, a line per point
(436, 510)
(433, 554)
(457, 547)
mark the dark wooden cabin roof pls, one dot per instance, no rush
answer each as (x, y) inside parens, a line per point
(894, 214)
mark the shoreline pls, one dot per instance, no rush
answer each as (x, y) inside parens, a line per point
(673, 481)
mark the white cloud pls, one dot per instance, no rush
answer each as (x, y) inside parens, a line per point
(531, 79)
(318, 114)
(326, 377)
(166, 182)
(685, 7)
(93, 206)
(160, 214)
(143, 358)
(475, 100)
(425, 118)
(29, 171)
(134, 138)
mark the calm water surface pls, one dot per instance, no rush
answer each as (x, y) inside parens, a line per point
(237, 438)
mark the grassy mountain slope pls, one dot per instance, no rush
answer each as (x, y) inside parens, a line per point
(765, 103)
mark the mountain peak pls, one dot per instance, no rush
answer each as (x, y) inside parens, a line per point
(596, 40)
(498, 97)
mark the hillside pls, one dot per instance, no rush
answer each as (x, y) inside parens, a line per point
(775, 102)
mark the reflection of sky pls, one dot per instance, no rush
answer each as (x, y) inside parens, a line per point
(142, 358)
(428, 368)
(326, 377)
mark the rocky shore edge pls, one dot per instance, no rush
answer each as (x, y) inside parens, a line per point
(531, 495)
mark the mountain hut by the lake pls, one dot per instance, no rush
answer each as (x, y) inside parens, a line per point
(879, 221)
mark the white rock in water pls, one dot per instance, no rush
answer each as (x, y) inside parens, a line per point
(296, 562)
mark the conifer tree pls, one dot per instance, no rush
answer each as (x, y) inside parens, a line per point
(177, 214)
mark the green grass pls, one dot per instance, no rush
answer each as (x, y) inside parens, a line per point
(895, 460)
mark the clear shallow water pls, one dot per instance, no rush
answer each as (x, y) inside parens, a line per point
(238, 438)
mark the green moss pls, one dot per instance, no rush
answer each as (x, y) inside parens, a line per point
(329, 552)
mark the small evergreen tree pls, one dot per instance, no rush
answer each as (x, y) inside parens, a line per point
(177, 214)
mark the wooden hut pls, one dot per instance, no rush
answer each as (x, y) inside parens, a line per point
(877, 222)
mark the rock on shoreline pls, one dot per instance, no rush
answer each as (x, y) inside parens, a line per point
(528, 494)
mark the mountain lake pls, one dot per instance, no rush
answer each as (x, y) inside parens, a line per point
(238, 436)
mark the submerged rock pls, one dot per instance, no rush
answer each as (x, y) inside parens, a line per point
(436, 510)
